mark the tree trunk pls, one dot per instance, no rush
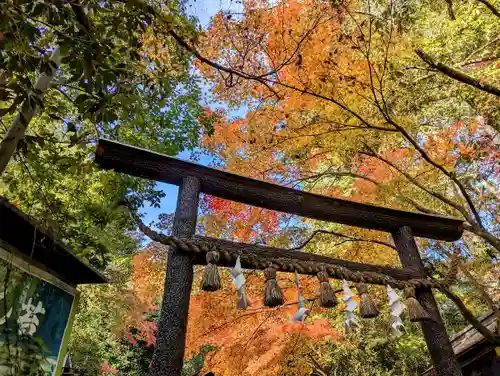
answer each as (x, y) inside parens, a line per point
(29, 108)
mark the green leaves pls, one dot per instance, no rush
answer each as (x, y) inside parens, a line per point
(120, 78)
(113, 64)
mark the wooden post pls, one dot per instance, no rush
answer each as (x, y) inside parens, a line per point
(171, 335)
(438, 343)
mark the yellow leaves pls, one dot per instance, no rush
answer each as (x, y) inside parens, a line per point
(159, 51)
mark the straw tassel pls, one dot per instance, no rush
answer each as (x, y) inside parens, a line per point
(327, 297)
(367, 306)
(211, 277)
(273, 296)
(415, 311)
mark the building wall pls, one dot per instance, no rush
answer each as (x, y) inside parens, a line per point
(34, 311)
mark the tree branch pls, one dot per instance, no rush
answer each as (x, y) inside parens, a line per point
(267, 81)
(469, 316)
(263, 80)
(421, 186)
(449, 174)
(449, 4)
(80, 14)
(487, 298)
(28, 110)
(473, 53)
(490, 6)
(251, 312)
(490, 238)
(341, 174)
(456, 74)
(338, 234)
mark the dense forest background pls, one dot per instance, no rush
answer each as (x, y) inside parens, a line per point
(388, 102)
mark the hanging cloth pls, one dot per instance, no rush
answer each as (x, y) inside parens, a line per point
(396, 308)
(350, 317)
(239, 282)
(302, 311)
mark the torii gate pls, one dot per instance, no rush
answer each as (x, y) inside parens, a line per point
(193, 179)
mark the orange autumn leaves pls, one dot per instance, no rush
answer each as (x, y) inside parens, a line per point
(249, 342)
(143, 295)
(290, 136)
(294, 42)
(254, 341)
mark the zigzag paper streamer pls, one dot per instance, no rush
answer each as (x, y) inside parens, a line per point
(239, 282)
(302, 312)
(351, 304)
(396, 308)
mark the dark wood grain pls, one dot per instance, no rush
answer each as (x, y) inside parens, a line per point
(41, 248)
(154, 166)
(438, 343)
(268, 253)
(171, 335)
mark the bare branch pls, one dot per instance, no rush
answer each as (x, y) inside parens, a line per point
(347, 238)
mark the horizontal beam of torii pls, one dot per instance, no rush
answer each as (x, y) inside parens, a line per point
(257, 257)
(147, 164)
(253, 256)
(194, 179)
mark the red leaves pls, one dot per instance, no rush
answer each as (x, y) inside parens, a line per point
(129, 337)
(217, 204)
(107, 370)
(237, 221)
(146, 332)
(376, 169)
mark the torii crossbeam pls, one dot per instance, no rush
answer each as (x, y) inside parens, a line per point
(194, 179)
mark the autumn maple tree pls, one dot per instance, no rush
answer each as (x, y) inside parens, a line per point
(341, 105)
(383, 102)
(357, 100)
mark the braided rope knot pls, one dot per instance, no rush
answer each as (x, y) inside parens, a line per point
(303, 266)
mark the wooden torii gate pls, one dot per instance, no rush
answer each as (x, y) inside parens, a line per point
(193, 179)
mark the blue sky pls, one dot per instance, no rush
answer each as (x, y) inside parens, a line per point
(203, 10)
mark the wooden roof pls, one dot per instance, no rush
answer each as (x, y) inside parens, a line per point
(154, 166)
(469, 336)
(37, 246)
(469, 345)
